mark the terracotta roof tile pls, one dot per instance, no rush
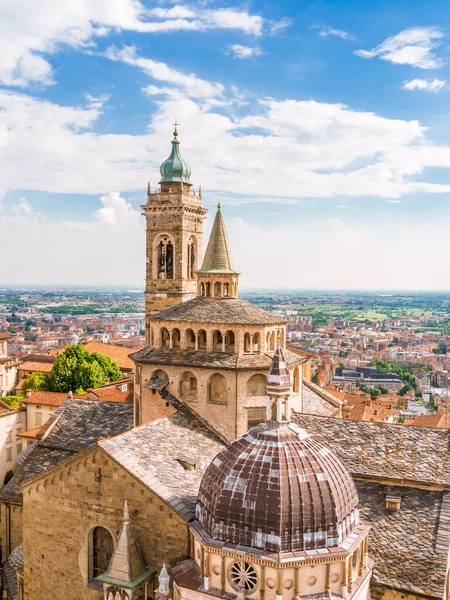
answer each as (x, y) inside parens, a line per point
(119, 354)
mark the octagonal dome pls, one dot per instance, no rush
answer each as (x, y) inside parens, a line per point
(279, 490)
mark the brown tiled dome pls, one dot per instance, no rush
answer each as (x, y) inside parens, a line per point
(279, 490)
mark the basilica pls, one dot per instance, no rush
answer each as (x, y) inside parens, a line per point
(231, 475)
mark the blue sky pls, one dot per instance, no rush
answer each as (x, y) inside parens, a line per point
(323, 127)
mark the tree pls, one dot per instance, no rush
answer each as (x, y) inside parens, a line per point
(76, 370)
(36, 382)
(441, 348)
(405, 389)
(8, 475)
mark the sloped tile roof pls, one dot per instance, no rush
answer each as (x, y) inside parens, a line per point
(410, 545)
(153, 452)
(380, 449)
(221, 310)
(119, 354)
(210, 360)
(74, 427)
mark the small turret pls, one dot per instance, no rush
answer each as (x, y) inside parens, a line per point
(163, 591)
(278, 389)
(218, 278)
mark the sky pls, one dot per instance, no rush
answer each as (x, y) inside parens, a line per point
(322, 127)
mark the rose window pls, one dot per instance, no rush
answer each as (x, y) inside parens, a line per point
(243, 576)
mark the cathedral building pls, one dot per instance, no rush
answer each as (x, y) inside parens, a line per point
(216, 483)
(209, 348)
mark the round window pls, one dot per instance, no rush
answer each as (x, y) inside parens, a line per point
(243, 575)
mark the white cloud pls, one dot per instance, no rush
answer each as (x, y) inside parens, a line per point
(413, 46)
(325, 31)
(277, 27)
(30, 31)
(107, 248)
(435, 85)
(244, 52)
(190, 84)
(241, 227)
(322, 149)
(23, 208)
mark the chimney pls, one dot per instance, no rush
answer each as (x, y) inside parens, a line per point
(28, 393)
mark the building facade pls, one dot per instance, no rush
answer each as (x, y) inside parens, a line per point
(8, 368)
(214, 351)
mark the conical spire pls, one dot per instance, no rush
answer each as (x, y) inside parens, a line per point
(175, 169)
(218, 256)
(126, 563)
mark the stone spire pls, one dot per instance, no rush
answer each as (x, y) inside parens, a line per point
(218, 278)
(126, 569)
(218, 255)
(175, 169)
(278, 388)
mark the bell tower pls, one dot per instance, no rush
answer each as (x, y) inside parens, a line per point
(174, 233)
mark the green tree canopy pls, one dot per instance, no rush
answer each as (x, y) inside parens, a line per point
(441, 348)
(36, 382)
(76, 370)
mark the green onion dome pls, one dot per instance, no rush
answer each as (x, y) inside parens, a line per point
(175, 169)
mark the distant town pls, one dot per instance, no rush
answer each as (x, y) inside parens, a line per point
(383, 354)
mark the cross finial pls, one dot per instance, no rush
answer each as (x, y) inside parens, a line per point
(175, 125)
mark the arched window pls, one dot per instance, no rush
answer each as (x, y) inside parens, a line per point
(255, 342)
(160, 375)
(207, 289)
(229, 341)
(247, 345)
(280, 336)
(202, 289)
(217, 389)
(188, 386)
(296, 386)
(192, 258)
(176, 338)
(102, 547)
(272, 340)
(164, 337)
(190, 339)
(217, 341)
(202, 339)
(256, 385)
(268, 341)
(217, 289)
(226, 289)
(165, 259)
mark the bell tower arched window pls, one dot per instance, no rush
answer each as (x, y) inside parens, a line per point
(191, 258)
(165, 259)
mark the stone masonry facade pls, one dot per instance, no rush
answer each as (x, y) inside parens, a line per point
(174, 215)
(86, 492)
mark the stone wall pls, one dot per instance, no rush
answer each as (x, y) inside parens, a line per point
(229, 417)
(63, 506)
(179, 216)
(11, 528)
